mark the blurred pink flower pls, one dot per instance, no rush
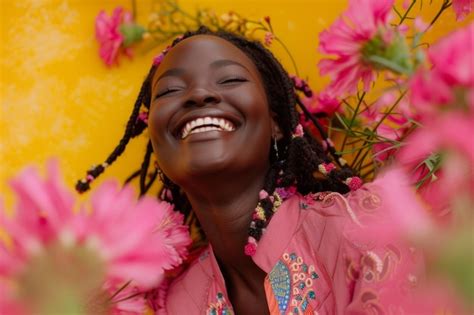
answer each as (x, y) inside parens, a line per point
(451, 79)
(420, 25)
(400, 114)
(384, 149)
(347, 38)
(462, 8)
(451, 136)
(322, 103)
(107, 33)
(401, 214)
(434, 297)
(394, 126)
(123, 239)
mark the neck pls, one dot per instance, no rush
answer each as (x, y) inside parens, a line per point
(224, 208)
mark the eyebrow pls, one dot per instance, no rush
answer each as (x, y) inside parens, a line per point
(227, 62)
(216, 64)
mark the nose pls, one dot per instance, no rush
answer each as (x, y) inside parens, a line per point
(202, 96)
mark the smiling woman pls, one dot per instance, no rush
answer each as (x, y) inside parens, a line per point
(223, 125)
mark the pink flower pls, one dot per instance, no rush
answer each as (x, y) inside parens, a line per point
(394, 126)
(322, 103)
(420, 25)
(107, 33)
(451, 79)
(251, 247)
(88, 251)
(462, 8)
(364, 24)
(326, 168)
(354, 183)
(286, 193)
(451, 136)
(268, 38)
(385, 148)
(401, 213)
(262, 194)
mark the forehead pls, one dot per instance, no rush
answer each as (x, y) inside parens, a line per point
(200, 51)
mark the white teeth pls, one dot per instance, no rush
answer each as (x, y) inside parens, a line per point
(206, 124)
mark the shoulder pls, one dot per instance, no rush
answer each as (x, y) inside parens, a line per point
(340, 211)
(188, 291)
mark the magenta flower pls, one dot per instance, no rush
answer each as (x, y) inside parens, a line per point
(451, 79)
(88, 251)
(462, 8)
(322, 103)
(362, 31)
(450, 135)
(401, 213)
(268, 40)
(109, 36)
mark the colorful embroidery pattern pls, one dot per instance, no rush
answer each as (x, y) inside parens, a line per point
(220, 307)
(292, 284)
(280, 281)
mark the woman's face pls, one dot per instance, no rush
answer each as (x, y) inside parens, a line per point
(209, 112)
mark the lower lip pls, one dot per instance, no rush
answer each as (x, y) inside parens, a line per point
(207, 135)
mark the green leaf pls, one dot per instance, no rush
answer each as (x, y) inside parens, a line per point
(132, 33)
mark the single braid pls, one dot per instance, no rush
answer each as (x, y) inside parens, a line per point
(130, 131)
(144, 168)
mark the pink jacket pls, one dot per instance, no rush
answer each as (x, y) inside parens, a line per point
(313, 265)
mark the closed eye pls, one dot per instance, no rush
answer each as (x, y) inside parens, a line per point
(233, 80)
(167, 91)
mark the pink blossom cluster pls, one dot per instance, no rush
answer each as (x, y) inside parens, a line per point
(449, 82)
(107, 33)
(346, 39)
(462, 8)
(131, 242)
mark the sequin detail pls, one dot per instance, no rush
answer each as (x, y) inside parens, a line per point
(292, 283)
(280, 281)
(219, 307)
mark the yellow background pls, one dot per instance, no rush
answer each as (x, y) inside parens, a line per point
(58, 98)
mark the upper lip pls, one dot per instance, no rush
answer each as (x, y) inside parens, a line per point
(233, 118)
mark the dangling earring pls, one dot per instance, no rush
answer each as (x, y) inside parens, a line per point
(275, 147)
(159, 172)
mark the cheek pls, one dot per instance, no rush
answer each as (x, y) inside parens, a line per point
(160, 114)
(158, 125)
(252, 103)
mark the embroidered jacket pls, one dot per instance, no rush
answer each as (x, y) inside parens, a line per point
(313, 264)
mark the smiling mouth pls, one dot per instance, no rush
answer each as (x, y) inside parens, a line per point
(206, 124)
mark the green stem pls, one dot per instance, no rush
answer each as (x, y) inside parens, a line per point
(354, 149)
(406, 12)
(352, 119)
(128, 297)
(364, 175)
(355, 161)
(389, 111)
(289, 54)
(120, 290)
(362, 159)
(134, 10)
(388, 64)
(446, 4)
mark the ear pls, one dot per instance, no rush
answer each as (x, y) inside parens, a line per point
(276, 131)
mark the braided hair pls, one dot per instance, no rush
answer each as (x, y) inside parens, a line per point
(295, 160)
